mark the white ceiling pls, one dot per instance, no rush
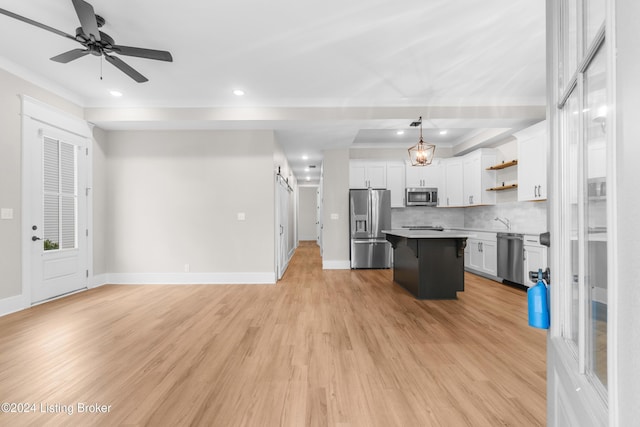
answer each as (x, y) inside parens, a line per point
(322, 74)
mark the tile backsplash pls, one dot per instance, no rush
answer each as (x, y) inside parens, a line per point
(423, 215)
(524, 216)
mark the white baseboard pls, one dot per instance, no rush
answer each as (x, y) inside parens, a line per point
(17, 303)
(12, 304)
(191, 278)
(99, 280)
(336, 265)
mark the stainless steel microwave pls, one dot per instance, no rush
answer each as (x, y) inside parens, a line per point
(421, 196)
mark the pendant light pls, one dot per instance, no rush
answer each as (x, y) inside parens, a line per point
(421, 154)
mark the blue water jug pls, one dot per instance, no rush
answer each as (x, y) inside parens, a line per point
(538, 303)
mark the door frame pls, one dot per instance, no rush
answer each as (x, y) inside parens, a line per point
(33, 109)
(570, 393)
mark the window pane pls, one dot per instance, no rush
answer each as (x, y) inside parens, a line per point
(59, 165)
(51, 222)
(594, 16)
(50, 165)
(68, 223)
(571, 116)
(67, 169)
(595, 121)
(569, 44)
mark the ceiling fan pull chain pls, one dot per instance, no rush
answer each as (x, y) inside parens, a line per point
(101, 61)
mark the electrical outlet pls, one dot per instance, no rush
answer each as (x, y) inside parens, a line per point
(241, 216)
(335, 216)
(187, 268)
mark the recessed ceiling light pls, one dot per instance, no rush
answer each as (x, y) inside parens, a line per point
(115, 93)
(443, 132)
(306, 169)
(400, 132)
(305, 157)
(308, 178)
(238, 92)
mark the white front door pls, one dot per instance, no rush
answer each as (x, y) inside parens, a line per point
(581, 158)
(57, 218)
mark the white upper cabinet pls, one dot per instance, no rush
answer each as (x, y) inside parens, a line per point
(424, 176)
(452, 194)
(466, 179)
(532, 162)
(367, 174)
(396, 183)
(477, 179)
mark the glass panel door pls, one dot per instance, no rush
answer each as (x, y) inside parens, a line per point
(595, 209)
(594, 16)
(59, 164)
(568, 61)
(571, 129)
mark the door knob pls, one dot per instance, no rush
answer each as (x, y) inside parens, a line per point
(534, 276)
(35, 238)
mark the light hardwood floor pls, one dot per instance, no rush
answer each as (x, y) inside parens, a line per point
(321, 348)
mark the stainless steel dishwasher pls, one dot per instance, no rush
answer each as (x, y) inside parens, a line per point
(511, 257)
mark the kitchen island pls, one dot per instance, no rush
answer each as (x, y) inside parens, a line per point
(429, 264)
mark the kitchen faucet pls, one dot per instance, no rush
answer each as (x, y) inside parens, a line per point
(505, 221)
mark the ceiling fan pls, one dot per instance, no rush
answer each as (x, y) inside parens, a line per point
(96, 42)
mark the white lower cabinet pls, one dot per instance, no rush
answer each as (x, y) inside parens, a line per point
(466, 255)
(535, 257)
(482, 254)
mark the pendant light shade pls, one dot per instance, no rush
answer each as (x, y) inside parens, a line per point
(422, 153)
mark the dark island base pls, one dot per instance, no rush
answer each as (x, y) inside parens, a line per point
(429, 268)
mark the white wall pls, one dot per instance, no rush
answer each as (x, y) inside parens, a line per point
(99, 197)
(173, 199)
(11, 87)
(307, 213)
(625, 318)
(335, 233)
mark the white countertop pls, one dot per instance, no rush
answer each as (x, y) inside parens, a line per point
(429, 234)
(497, 230)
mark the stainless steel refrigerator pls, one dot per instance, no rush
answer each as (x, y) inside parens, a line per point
(369, 214)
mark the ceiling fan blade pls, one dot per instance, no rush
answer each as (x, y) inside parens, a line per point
(71, 55)
(37, 24)
(87, 18)
(125, 68)
(160, 55)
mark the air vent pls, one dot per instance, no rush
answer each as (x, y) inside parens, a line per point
(311, 166)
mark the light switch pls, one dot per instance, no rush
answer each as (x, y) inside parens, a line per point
(241, 216)
(335, 216)
(6, 213)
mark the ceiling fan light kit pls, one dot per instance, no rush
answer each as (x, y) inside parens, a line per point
(422, 153)
(96, 42)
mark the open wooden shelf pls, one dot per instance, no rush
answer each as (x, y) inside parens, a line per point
(503, 187)
(503, 165)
